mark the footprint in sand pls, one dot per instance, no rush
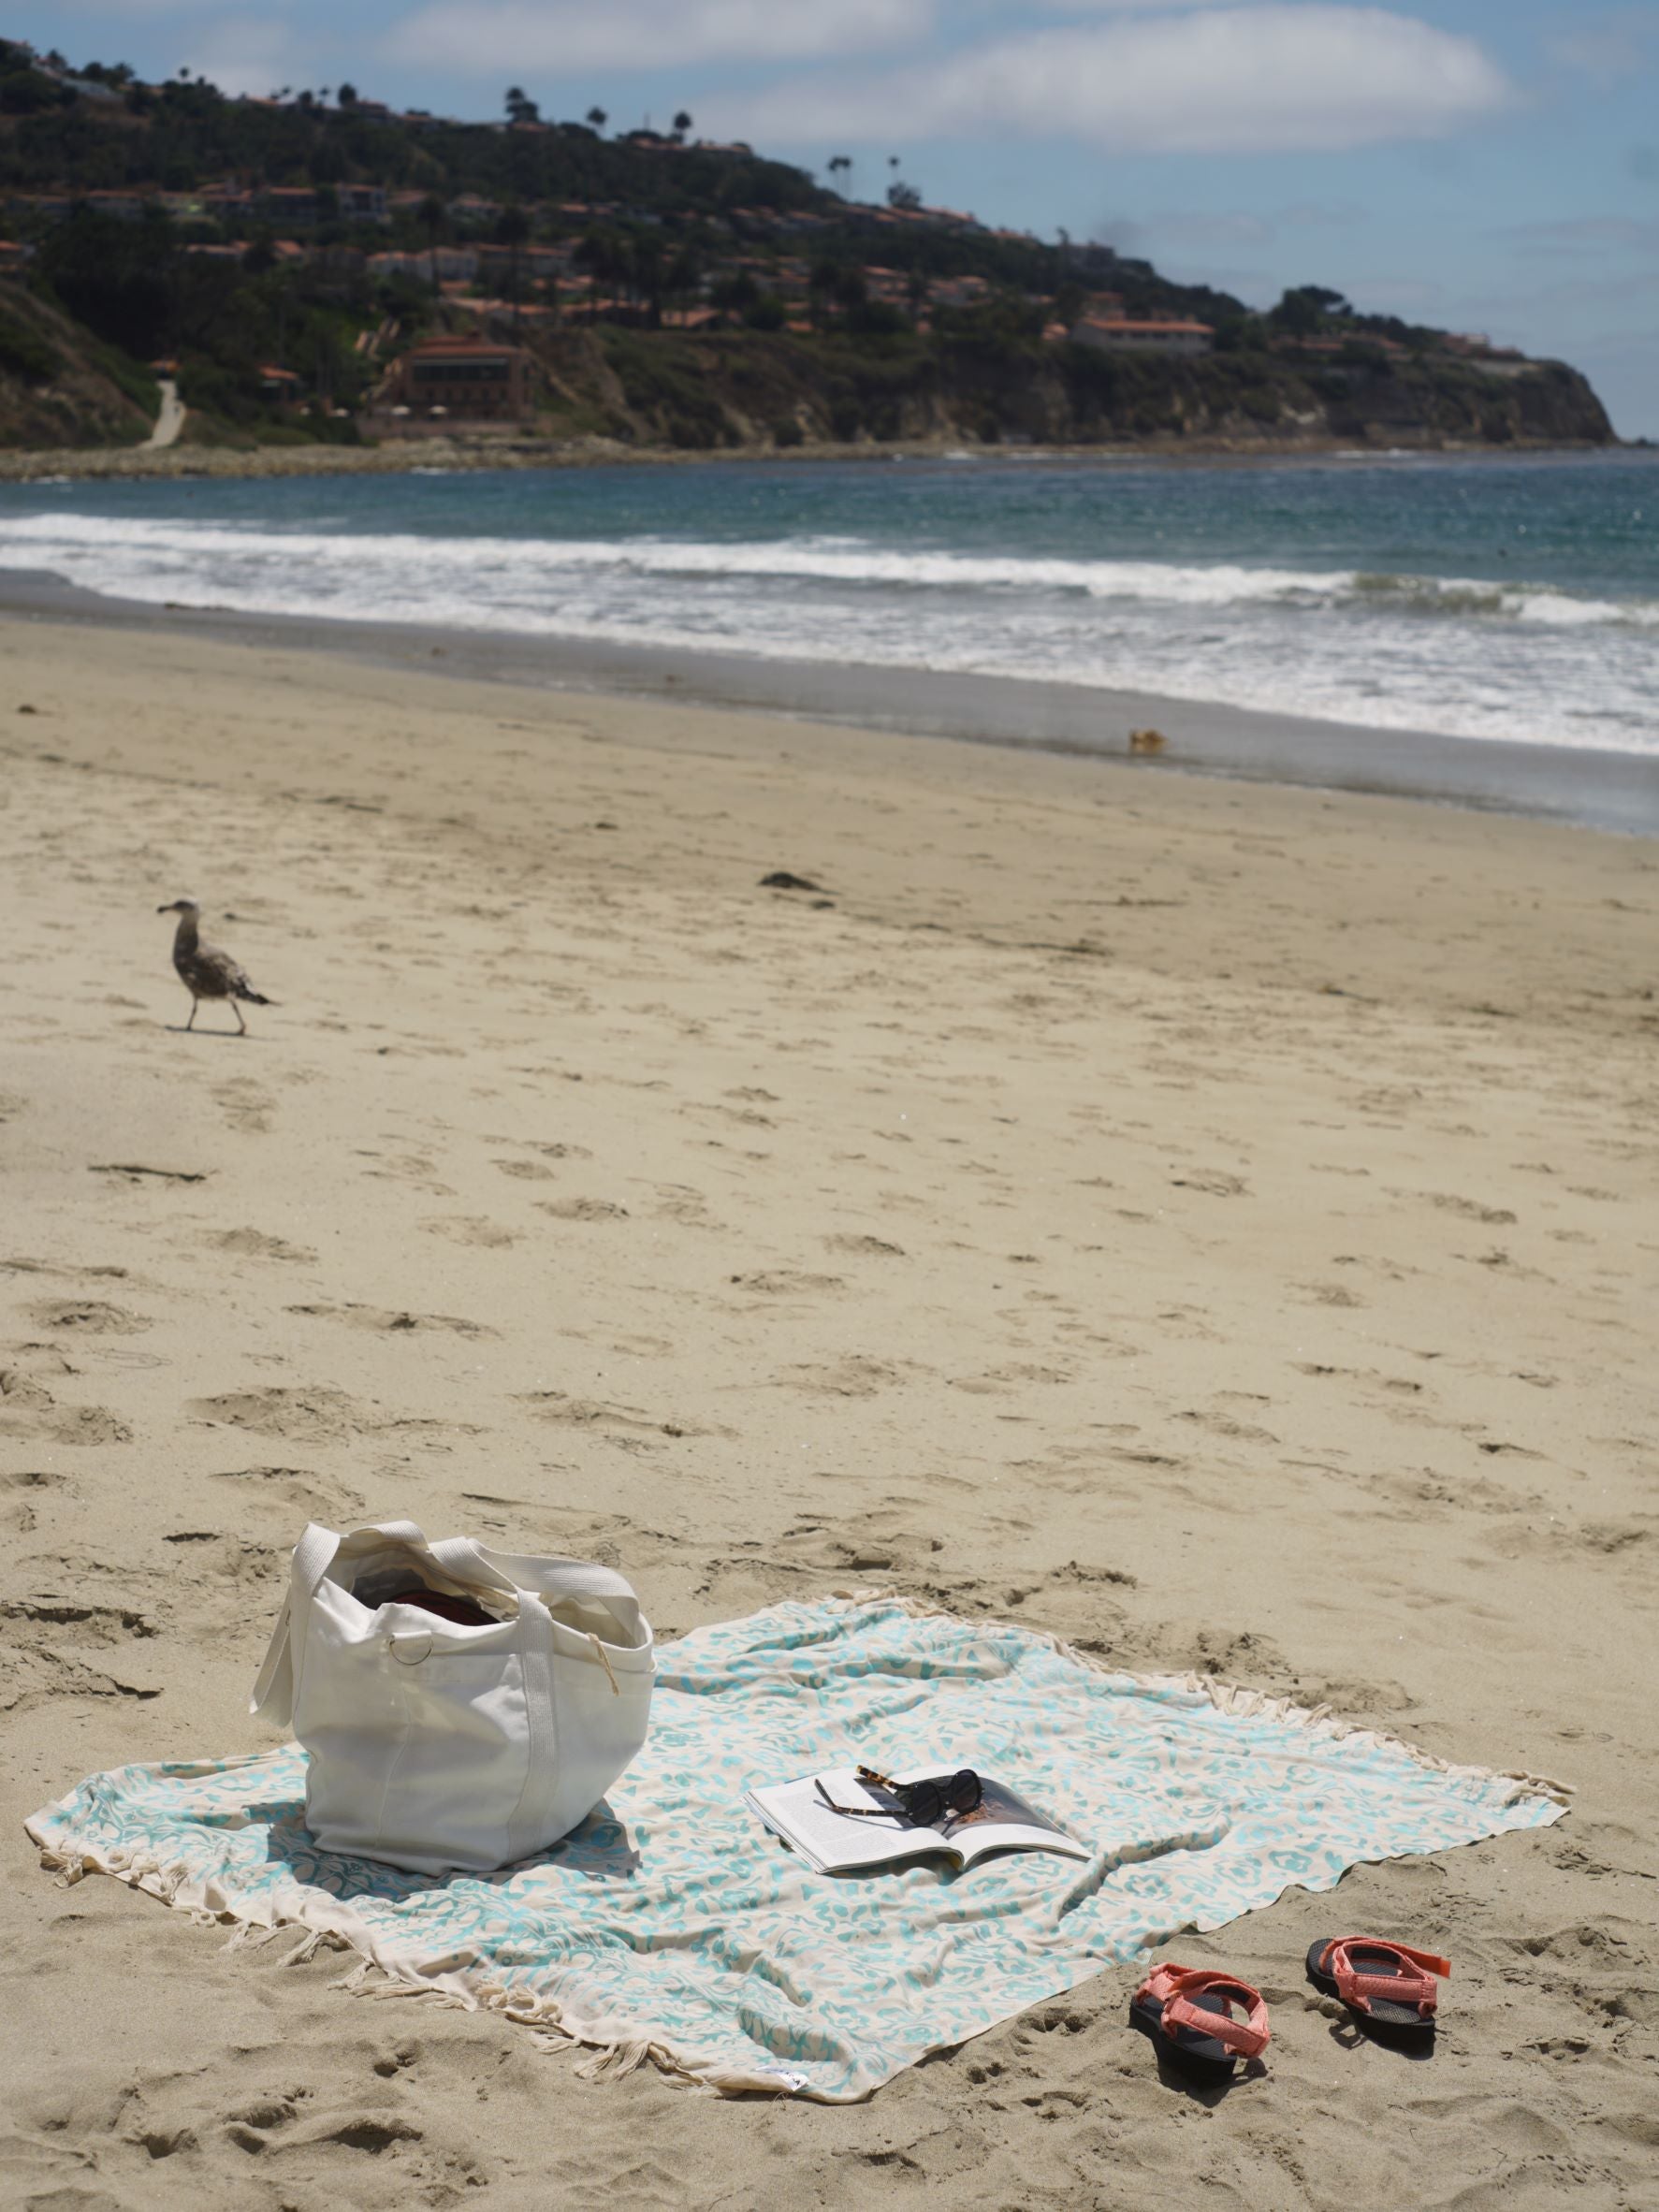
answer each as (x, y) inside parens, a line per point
(1468, 1208)
(787, 1282)
(290, 1489)
(857, 1376)
(318, 1416)
(582, 1209)
(546, 1147)
(865, 1247)
(55, 1648)
(28, 1408)
(258, 1246)
(1000, 1381)
(22, 1493)
(315, 1416)
(469, 1228)
(245, 1105)
(679, 1202)
(595, 1413)
(85, 1316)
(383, 1319)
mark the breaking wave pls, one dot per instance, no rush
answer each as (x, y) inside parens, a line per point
(262, 570)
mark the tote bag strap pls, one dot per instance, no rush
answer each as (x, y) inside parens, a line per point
(549, 1578)
(552, 1579)
(273, 1692)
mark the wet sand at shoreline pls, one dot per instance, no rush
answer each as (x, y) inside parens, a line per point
(1213, 1221)
(1595, 787)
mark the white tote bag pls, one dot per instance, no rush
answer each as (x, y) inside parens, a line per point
(436, 1746)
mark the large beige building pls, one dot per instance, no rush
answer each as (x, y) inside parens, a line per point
(472, 379)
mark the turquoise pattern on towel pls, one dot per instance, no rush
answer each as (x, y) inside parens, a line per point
(672, 1923)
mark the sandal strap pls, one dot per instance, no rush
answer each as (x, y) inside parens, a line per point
(1354, 1985)
(1175, 1986)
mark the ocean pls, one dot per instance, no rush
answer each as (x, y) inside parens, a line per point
(1493, 597)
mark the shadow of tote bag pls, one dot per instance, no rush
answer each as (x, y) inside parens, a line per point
(438, 1746)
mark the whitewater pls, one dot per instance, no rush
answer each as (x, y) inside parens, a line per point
(1479, 599)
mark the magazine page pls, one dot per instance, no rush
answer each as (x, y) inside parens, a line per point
(842, 1842)
(833, 1843)
(1003, 1821)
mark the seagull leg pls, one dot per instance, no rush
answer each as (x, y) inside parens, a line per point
(195, 1002)
(241, 1027)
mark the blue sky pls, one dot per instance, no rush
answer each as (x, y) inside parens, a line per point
(1487, 165)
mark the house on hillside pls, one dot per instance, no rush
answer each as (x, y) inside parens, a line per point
(451, 264)
(465, 379)
(472, 213)
(362, 203)
(1120, 334)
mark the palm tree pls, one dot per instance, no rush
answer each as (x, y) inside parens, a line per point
(682, 124)
(598, 118)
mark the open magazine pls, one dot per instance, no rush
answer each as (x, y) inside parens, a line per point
(833, 1843)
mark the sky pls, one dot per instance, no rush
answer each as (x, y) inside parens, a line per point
(1482, 164)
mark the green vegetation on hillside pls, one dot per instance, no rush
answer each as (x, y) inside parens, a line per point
(283, 253)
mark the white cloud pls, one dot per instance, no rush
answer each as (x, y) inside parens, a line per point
(520, 37)
(1247, 79)
(240, 53)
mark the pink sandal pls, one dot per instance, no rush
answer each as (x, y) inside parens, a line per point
(1188, 2012)
(1390, 1985)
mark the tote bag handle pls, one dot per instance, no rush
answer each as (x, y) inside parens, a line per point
(550, 1580)
(313, 1555)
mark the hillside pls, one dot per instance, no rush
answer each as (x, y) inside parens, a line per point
(59, 386)
(728, 389)
(285, 252)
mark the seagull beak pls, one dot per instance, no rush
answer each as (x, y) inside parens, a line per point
(173, 910)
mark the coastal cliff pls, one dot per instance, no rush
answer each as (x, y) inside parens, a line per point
(68, 401)
(750, 390)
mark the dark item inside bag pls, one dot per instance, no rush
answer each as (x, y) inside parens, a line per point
(464, 1612)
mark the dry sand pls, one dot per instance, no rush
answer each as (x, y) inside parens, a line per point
(1214, 1223)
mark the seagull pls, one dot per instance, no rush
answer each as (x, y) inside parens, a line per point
(204, 970)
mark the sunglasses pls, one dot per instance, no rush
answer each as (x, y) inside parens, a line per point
(920, 1803)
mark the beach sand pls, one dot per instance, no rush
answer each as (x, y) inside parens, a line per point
(1213, 1222)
